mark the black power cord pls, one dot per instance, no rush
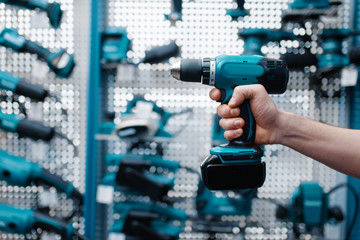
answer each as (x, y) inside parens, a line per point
(356, 196)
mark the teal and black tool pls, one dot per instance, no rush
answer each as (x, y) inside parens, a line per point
(332, 57)
(175, 14)
(255, 38)
(19, 86)
(309, 206)
(60, 62)
(25, 127)
(20, 172)
(239, 11)
(304, 10)
(136, 126)
(52, 9)
(134, 173)
(236, 165)
(115, 45)
(148, 221)
(23, 221)
(212, 206)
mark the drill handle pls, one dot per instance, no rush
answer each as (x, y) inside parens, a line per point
(248, 136)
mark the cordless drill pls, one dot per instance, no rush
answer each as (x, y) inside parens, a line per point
(237, 164)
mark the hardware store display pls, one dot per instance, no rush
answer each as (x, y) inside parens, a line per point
(104, 127)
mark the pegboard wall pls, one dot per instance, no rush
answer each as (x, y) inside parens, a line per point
(206, 31)
(65, 111)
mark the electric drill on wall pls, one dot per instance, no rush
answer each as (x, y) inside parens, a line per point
(236, 165)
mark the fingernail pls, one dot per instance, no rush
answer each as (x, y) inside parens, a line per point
(232, 101)
(238, 123)
(234, 112)
(238, 132)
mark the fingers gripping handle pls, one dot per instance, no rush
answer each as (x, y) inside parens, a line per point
(248, 136)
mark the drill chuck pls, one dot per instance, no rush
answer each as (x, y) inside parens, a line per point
(194, 70)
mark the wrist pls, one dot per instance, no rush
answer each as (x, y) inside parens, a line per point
(281, 128)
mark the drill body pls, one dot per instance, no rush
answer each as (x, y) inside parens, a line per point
(236, 165)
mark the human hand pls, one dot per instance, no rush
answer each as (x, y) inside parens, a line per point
(266, 114)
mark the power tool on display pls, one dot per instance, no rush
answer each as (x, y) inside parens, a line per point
(255, 38)
(303, 10)
(60, 62)
(239, 11)
(21, 87)
(309, 206)
(24, 221)
(148, 221)
(208, 203)
(116, 44)
(52, 9)
(20, 172)
(134, 174)
(175, 14)
(236, 165)
(25, 127)
(142, 120)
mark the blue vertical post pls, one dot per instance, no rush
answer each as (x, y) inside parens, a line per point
(355, 124)
(93, 119)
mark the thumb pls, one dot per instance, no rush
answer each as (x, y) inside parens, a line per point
(245, 92)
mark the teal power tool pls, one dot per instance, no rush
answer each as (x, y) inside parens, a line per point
(236, 165)
(208, 204)
(175, 14)
(332, 57)
(134, 173)
(309, 206)
(240, 11)
(148, 221)
(52, 9)
(303, 10)
(60, 62)
(115, 44)
(255, 38)
(23, 221)
(18, 171)
(136, 126)
(22, 87)
(25, 127)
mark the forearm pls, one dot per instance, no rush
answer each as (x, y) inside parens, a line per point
(338, 148)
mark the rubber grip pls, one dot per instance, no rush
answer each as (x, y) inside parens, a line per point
(35, 130)
(248, 136)
(32, 91)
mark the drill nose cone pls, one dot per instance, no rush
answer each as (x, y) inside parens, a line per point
(175, 70)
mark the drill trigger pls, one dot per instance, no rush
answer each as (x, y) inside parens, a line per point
(223, 95)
